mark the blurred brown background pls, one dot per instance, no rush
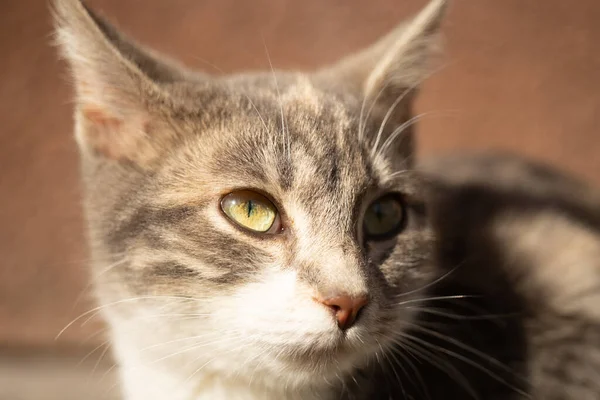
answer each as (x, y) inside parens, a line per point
(519, 74)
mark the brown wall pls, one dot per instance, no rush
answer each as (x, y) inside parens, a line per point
(520, 74)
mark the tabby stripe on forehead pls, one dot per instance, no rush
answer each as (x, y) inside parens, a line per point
(333, 180)
(247, 161)
(285, 172)
(324, 153)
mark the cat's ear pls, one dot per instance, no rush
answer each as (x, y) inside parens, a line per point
(397, 63)
(117, 83)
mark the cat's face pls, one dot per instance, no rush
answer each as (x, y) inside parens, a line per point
(264, 222)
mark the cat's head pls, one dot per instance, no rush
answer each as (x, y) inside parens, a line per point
(263, 222)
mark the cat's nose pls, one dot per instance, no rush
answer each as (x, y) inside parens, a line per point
(345, 308)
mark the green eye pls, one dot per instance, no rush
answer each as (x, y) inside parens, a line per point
(384, 218)
(252, 211)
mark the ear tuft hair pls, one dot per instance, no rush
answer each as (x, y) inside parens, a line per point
(387, 74)
(114, 79)
(397, 62)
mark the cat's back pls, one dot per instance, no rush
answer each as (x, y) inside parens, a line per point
(530, 235)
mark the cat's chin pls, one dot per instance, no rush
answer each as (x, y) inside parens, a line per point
(338, 355)
(334, 355)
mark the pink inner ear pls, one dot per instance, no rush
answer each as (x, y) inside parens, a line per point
(104, 133)
(135, 139)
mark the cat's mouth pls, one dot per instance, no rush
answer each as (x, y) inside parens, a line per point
(329, 362)
(342, 350)
(337, 344)
(332, 348)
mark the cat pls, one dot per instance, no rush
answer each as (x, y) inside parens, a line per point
(266, 235)
(251, 233)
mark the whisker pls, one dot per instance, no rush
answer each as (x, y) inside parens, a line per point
(286, 139)
(433, 283)
(400, 129)
(95, 277)
(99, 332)
(176, 315)
(88, 355)
(95, 310)
(232, 350)
(412, 366)
(106, 348)
(174, 341)
(443, 365)
(143, 317)
(470, 349)
(262, 120)
(257, 365)
(394, 104)
(398, 173)
(210, 64)
(385, 371)
(388, 114)
(452, 297)
(438, 312)
(469, 361)
(361, 131)
(391, 364)
(197, 346)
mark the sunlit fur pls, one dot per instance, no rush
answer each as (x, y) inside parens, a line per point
(197, 307)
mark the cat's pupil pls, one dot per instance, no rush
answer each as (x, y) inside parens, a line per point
(250, 207)
(378, 211)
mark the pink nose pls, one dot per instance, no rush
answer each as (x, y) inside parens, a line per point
(345, 308)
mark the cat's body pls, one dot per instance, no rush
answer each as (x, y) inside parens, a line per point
(525, 238)
(306, 290)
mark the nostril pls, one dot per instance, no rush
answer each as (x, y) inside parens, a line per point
(345, 308)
